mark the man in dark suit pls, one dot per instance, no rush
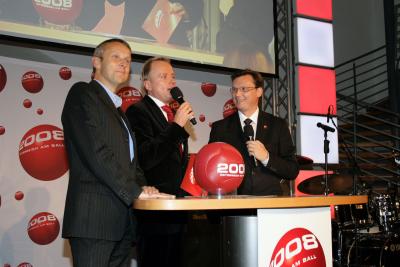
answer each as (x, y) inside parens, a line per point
(162, 149)
(271, 156)
(104, 173)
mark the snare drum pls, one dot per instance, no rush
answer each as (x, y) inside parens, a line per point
(350, 216)
(374, 250)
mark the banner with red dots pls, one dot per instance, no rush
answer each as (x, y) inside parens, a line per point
(33, 162)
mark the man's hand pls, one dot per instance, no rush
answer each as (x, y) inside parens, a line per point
(258, 150)
(150, 192)
(183, 114)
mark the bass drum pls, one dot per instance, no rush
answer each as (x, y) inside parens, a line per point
(375, 250)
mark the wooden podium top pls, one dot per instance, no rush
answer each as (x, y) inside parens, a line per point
(245, 202)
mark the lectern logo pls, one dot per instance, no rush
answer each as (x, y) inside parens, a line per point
(298, 248)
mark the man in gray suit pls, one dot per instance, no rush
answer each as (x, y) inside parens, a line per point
(105, 176)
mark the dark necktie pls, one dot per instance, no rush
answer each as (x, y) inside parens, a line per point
(248, 129)
(170, 113)
(249, 133)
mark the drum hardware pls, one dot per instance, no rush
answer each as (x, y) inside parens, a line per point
(374, 250)
(384, 210)
(353, 217)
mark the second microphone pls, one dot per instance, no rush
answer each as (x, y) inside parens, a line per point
(177, 95)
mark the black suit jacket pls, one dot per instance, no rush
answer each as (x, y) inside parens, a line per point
(103, 181)
(158, 146)
(161, 160)
(273, 132)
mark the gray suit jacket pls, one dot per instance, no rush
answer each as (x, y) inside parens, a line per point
(103, 181)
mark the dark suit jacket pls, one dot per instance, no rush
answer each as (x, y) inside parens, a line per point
(160, 158)
(158, 146)
(103, 181)
(274, 134)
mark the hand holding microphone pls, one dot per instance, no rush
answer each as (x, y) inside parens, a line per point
(184, 112)
(255, 148)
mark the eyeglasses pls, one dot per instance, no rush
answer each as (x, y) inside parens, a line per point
(243, 89)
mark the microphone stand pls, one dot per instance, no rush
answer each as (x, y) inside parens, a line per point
(326, 152)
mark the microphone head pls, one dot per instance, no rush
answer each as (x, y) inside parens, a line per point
(248, 131)
(176, 94)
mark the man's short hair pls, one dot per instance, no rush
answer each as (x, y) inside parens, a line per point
(99, 50)
(147, 67)
(257, 78)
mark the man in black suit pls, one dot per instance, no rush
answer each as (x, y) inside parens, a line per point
(104, 173)
(162, 149)
(271, 156)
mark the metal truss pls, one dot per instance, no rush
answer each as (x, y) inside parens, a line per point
(279, 92)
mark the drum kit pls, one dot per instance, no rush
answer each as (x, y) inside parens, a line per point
(362, 234)
(367, 234)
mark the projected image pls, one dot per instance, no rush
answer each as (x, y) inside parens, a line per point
(225, 33)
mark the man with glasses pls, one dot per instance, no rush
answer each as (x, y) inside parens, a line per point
(269, 154)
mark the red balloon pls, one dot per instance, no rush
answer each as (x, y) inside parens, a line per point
(19, 195)
(208, 89)
(2, 130)
(61, 12)
(65, 73)
(3, 77)
(43, 228)
(202, 117)
(32, 82)
(219, 168)
(42, 152)
(27, 103)
(130, 95)
(229, 108)
(298, 247)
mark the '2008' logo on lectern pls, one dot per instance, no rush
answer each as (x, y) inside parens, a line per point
(298, 248)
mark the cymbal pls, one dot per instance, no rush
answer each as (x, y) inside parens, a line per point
(302, 160)
(339, 184)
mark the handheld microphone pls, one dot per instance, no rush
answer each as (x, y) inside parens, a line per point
(328, 116)
(325, 127)
(177, 95)
(249, 133)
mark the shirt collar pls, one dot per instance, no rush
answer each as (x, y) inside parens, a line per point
(253, 116)
(158, 102)
(114, 97)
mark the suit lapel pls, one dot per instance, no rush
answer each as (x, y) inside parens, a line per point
(155, 111)
(236, 128)
(105, 98)
(119, 115)
(262, 127)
